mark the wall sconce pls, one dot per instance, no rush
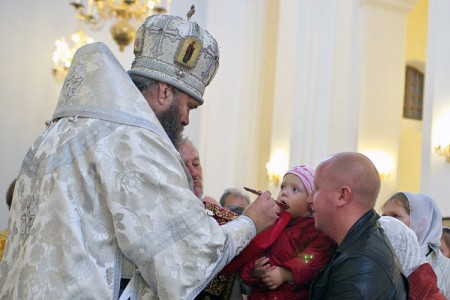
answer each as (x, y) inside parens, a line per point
(441, 137)
(443, 151)
(384, 175)
(276, 167)
(382, 161)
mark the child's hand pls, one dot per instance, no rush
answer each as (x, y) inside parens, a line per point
(261, 266)
(276, 276)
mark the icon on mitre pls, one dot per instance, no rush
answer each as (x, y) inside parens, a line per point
(188, 52)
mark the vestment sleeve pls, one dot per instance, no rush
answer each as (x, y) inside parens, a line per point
(160, 225)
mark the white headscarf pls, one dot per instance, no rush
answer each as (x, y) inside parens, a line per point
(404, 242)
(425, 220)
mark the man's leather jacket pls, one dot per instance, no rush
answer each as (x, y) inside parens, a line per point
(364, 266)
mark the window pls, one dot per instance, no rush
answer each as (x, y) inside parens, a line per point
(413, 103)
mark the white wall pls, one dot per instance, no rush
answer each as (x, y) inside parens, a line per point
(229, 139)
(29, 29)
(435, 177)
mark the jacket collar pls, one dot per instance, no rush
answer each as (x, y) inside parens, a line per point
(367, 220)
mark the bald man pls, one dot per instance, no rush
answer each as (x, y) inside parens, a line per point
(364, 266)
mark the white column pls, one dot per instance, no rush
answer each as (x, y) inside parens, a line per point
(314, 114)
(339, 80)
(228, 131)
(324, 115)
(435, 177)
(382, 39)
(284, 85)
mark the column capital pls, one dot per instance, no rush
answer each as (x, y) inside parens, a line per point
(402, 6)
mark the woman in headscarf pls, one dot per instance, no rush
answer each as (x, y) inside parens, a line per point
(421, 213)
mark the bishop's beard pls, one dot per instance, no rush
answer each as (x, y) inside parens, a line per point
(171, 122)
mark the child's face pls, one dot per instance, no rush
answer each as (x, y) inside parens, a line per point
(445, 249)
(293, 192)
(396, 210)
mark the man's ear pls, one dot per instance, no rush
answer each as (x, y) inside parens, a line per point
(164, 93)
(345, 196)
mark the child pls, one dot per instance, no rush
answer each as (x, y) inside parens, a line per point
(287, 269)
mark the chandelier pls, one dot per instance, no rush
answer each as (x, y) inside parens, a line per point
(95, 13)
(62, 56)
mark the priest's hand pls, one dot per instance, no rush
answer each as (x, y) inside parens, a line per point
(263, 211)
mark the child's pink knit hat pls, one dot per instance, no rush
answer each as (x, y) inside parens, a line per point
(305, 174)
